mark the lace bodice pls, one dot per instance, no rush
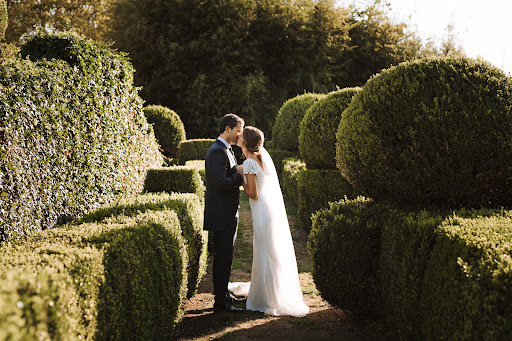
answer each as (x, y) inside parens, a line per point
(251, 166)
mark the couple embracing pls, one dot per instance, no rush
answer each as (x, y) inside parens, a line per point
(274, 288)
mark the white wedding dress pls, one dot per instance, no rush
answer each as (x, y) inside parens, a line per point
(274, 288)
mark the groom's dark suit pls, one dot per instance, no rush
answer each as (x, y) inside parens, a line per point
(221, 214)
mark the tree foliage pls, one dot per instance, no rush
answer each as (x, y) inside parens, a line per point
(83, 16)
(208, 58)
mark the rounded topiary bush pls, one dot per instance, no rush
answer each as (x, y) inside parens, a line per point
(436, 131)
(168, 127)
(285, 134)
(317, 137)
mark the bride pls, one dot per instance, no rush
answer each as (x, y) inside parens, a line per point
(274, 287)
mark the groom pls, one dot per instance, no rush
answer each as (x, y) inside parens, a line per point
(223, 180)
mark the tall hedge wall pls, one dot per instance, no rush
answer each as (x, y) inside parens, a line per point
(72, 132)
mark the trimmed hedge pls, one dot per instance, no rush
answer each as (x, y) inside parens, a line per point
(407, 242)
(123, 280)
(169, 130)
(285, 134)
(190, 210)
(316, 188)
(279, 155)
(467, 282)
(436, 274)
(179, 179)
(344, 246)
(431, 132)
(291, 169)
(194, 149)
(72, 133)
(317, 132)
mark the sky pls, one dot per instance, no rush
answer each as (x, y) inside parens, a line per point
(483, 28)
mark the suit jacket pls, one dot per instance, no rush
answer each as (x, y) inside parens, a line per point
(222, 195)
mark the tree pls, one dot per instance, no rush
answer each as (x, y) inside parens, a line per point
(206, 58)
(83, 16)
(376, 42)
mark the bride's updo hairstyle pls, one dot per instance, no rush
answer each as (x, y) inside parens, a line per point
(253, 140)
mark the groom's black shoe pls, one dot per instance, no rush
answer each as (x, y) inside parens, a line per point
(226, 307)
(233, 299)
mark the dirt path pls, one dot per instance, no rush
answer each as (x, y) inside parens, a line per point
(324, 322)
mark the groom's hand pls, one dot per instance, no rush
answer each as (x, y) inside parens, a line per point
(240, 169)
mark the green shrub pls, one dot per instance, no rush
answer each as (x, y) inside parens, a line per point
(198, 164)
(344, 248)
(316, 188)
(190, 210)
(73, 133)
(467, 282)
(194, 149)
(123, 280)
(291, 169)
(407, 239)
(431, 132)
(169, 130)
(317, 131)
(285, 134)
(279, 155)
(179, 179)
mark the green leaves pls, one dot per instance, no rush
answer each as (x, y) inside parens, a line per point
(74, 132)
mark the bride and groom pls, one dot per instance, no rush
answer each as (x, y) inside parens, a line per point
(274, 288)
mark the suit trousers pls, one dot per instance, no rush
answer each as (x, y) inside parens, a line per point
(224, 249)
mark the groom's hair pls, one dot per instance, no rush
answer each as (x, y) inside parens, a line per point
(230, 120)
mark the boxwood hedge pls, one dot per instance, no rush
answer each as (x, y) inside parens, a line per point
(316, 188)
(189, 208)
(194, 149)
(169, 130)
(433, 132)
(344, 246)
(285, 134)
(115, 280)
(278, 155)
(317, 131)
(180, 179)
(72, 132)
(435, 275)
(291, 169)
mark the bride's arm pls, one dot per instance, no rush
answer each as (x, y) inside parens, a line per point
(250, 187)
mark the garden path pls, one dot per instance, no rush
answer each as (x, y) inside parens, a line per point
(324, 322)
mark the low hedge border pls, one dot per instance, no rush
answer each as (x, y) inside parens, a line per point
(291, 169)
(123, 280)
(189, 208)
(316, 188)
(194, 149)
(436, 274)
(179, 179)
